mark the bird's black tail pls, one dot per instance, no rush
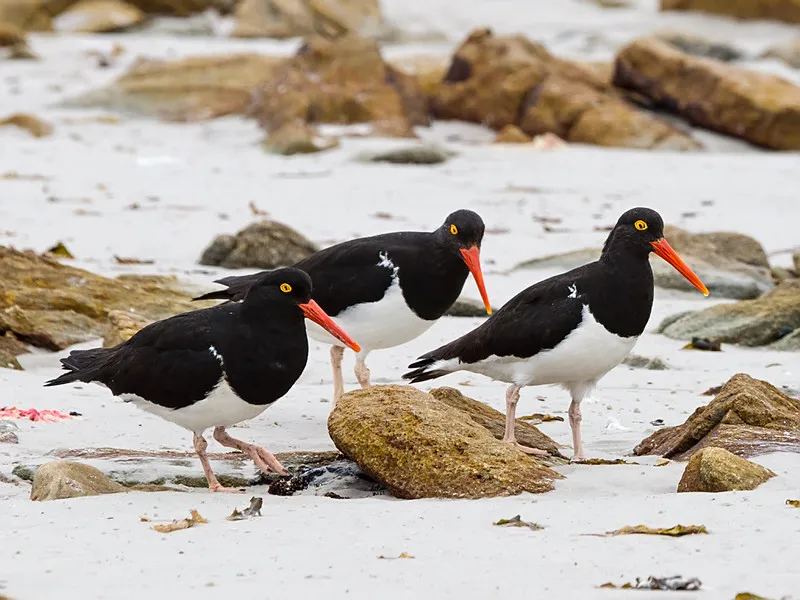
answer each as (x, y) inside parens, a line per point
(82, 365)
(431, 365)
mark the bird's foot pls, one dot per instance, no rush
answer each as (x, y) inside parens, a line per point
(264, 460)
(218, 487)
(578, 459)
(271, 461)
(528, 449)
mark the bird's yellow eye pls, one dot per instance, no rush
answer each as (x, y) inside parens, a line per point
(453, 229)
(640, 225)
(286, 288)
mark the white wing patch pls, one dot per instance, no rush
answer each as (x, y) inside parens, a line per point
(216, 355)
(385, 261)
(573, 291)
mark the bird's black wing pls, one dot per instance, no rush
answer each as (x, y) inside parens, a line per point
(536, 319)
(343, 275)
(169, 362)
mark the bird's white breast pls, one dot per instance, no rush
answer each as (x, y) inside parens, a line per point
(374, 325)
(222, 407)
(586, 354)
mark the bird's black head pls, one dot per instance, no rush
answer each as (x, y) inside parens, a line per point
(285, 294)
(462, 232)
(463, 229)
(635, 231)
(640, 231)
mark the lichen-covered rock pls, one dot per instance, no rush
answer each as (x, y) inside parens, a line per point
(717, 470)
(700, 46)
(758, 107)
(420, 447)
(98, 16)
(31, 15)
(345, 81)
(187, 89)
(495, 421)
(122, 326)
(764, 321)
(510, 80)
(265, 245)
(300, 18)
(511, 134)
(780, 10)
(10, 348)
(62, 479)
(788, 53)
(731, 265)
(747, 417)
(51, 305)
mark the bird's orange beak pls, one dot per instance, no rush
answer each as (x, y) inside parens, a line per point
(665, 251)
(472, 258)
(314, 311)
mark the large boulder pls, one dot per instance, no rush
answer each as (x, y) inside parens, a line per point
(300, 18)
(780, 10)
(510, 80)
(51, 305)
(731, 265)
(345, 81)
(264, 245)
(63, 479)
(421, 447)
(748, 417)
(187, 89)
(765, 321)
(758, 107)
(717, 470)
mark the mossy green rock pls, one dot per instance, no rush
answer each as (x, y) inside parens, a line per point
(717, 470)
(420, 447)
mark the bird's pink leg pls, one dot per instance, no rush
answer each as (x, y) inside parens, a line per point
(362, 372)
(264, 460)
(512, 397)
(200, 446)
(337, 352)
(575, 419)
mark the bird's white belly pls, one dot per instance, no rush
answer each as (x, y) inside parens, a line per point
(374, 325)
(222, 407)
(586, 354)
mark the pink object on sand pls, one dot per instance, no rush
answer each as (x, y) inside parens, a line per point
(45, 416)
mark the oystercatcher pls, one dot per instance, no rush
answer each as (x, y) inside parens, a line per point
(387, 289)
(570, 329)
(217, 366)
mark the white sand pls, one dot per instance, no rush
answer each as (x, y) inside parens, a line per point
(195, 181)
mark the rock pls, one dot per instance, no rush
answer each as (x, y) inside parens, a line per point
(495, 421)
(467, 307)
(10, 348)
(62, 479)
(717, 470)
(428, 70)
(122, 326)
(51, 305)
(757, 107)
(788, 53)
(188, 89)
(11, 35)
(780, 10)
(731, 265)
(179, 8)
(264, 245)
(342, 82)
(300, 18)
(30, 15)
(98, 16)
(8, 433)
(297, 138)
(420, 154)
(763, 321)
(511, 134)
(796, 261)
(700, 46)
(420, 447)
(30, 123)
(510, 80)
(635, 361)
(747, 417)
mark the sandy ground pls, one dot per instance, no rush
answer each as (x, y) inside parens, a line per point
(195, 181)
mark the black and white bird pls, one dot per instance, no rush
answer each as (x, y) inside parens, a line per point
(214, 367)
(570, 329)
(387, 289)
